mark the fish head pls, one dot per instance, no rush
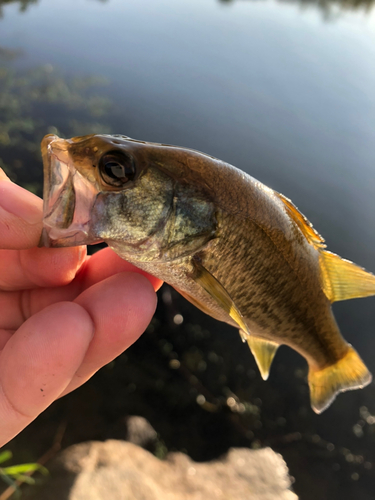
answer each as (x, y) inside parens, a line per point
(138, 197)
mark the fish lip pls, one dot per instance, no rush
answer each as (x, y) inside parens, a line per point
(68, 198)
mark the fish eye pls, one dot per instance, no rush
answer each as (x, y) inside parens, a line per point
(117, 168)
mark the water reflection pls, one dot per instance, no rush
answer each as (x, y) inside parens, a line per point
(42, 100)
(8, 54)
(327, 6)
(23, 4)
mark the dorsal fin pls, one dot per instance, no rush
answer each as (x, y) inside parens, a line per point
(342, 280)
(303, 224)
(216, 290)
(263, 351)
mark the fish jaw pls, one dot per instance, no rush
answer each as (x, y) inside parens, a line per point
(68, 198)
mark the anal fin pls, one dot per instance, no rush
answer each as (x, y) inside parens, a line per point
(263, 351)
(216, 290)
(347, 374)
(342, 279)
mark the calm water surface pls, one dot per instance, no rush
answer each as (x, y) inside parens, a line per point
(282, 90)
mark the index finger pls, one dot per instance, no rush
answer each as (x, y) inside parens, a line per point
(39, 267)
(21, 214)
(21, 264)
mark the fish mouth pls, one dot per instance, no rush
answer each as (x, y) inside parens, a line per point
(68, 198)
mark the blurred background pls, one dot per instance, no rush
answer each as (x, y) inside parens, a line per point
(284, 90)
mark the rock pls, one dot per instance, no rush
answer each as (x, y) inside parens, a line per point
(135, 429)
(123, 471)
(140, 432)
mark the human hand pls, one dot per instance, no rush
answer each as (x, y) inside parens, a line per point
(63, 315)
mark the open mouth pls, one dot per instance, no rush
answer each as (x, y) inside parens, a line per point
(68, 198)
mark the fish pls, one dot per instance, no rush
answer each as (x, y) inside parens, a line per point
(235, 248)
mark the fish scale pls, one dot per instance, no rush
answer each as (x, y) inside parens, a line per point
(267, 280)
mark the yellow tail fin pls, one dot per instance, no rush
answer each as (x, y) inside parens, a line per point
(344, 280)
(347, 374)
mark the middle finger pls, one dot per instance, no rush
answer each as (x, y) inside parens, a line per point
(39, 267)
(17, 306)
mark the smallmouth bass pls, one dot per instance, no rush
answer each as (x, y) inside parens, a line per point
(236, 249)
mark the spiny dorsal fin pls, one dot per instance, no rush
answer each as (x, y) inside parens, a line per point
(216, 290)
(304, 225)
(347, 374)
(341, 279)
(263, 351)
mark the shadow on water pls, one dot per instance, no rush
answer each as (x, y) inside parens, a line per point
(193, 380)
(23, 4)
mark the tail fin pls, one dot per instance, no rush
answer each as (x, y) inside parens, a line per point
(342, 280)
(347, 374)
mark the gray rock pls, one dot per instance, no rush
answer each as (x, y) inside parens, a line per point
(121, 470)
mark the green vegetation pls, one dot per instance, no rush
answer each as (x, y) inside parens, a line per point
(28, 100)
(14, 475)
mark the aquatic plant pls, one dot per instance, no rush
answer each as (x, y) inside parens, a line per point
(28, 100)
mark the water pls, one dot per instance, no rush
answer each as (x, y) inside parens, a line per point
(282, 90)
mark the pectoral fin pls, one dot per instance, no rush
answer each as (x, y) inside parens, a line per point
(216, 290)
(263, 351)
(342, 279)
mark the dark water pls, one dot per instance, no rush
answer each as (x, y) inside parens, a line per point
(282, 90)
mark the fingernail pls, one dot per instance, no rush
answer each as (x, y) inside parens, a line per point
(20, 202)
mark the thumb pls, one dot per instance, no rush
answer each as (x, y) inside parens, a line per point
(21, 214)
(38, 362)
